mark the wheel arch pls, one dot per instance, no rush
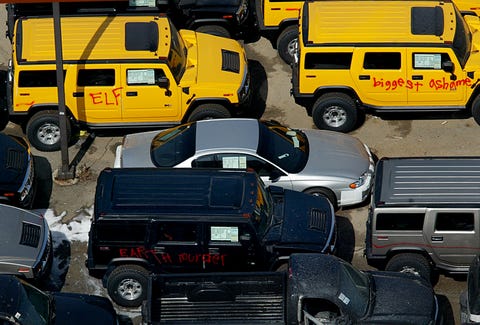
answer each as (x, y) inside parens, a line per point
(320, 91)
(409, 250)
(114, 263)
(34, 109)
(222, 101)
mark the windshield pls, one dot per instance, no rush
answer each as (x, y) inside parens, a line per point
(462, 39)
(172, 146)
(263, 208)
(177, 58)
(33, 307)
(285, 147)
(354, 289)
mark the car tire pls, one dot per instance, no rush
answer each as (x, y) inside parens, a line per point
(335, 112)
(287, 44)
(43, 131)
(214, 30)
(209, 111)
(316, 191)
(127, 285)
(412, 263)
(476, 109)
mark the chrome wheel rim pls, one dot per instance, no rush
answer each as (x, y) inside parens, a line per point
(335, 116)
(130, 289)
(48, 133)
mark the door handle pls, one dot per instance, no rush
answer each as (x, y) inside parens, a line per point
(132, 93)
(364, 77)
(417, 77)
(437, 238)
(215, 251)
(78, 94)
(159, 250)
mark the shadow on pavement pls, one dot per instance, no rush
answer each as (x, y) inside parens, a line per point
(259, 89)
(43, 174)
(345, 239)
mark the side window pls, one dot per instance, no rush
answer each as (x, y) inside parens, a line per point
(42, 78)
(454, 221)
(144, 76)
(96, 77)
(334, 61)
(176, 232)
(400, 221)
(121, 233)
(429, 61)
(208, 161)
(382, 61)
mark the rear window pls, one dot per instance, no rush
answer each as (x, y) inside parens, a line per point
(330, 61)
(400, 221)
(141, 36)
(40, 78)
(122, 233)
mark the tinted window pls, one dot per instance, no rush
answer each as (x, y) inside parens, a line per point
(337, 61)
(141, 36)
(454, 221)
(43, 78)
(400, 221)
(176, 232)
(96, 77)
(121, 233)
(284, 147)
(172, 146)
(427, 21)
(384, 61)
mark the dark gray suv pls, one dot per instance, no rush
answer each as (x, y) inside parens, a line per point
(25, 243)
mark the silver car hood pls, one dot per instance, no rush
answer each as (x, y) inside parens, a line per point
(335, 154)
(136, 149)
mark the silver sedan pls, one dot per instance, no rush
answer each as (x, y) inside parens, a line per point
(333, 164)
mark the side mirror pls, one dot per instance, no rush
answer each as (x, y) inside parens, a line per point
(448, 66)
(274, 175)
(163, 83)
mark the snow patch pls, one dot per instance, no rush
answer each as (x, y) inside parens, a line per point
(76, 229)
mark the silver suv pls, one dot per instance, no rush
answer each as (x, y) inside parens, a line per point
(25, 243)
(424, 215)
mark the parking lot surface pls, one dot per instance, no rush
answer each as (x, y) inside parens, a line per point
(387, 136)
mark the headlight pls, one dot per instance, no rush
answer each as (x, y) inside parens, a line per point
(245, 88)
(242, 12)
(361, 180)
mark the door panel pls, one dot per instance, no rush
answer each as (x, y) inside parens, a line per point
(144, 100)
(432, 85)
(380, 76)
(95, 92)
(231, 247)
(178, 247)
(453, 236)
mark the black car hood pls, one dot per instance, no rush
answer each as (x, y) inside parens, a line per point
(207, 3)
(307, 222)
(412, 301)
(83, 309)
(13, 162)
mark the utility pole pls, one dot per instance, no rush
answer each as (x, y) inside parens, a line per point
(66, 171)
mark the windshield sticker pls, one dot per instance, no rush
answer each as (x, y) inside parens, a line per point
(234, 162)
(142, 3)
(344, 299)
(224, 234)
(428, 61)
(145, 76)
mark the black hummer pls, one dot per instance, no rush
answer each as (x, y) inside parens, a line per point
(197, 220)
(228, 18)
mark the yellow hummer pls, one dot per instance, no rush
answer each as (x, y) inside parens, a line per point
(121, 72)
(385, 56)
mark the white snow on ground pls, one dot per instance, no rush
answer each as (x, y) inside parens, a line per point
(76, 229)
